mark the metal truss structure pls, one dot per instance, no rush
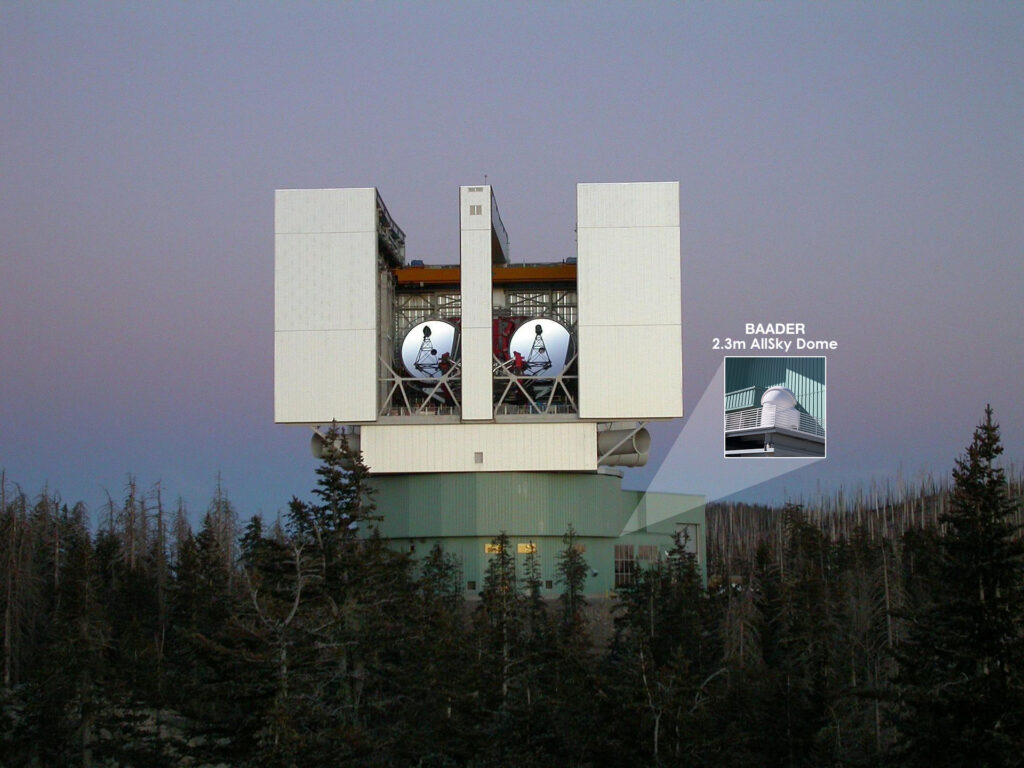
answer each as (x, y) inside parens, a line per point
(409, 395)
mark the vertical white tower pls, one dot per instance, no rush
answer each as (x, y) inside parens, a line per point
(629, 292)
(478, 220)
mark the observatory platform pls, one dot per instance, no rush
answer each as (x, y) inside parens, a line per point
(545, 372)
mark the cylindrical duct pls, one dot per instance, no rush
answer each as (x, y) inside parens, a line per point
(625, 460)
(318, 446)
(626, 449)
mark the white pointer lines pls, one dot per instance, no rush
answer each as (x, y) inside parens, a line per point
(697, 458)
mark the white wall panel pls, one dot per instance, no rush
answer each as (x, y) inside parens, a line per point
(313, 376)
(325, 210)
(325, 281)
(639, 204)
(475, 247)
(477, 397)
(475, 260)
(325, 305)
(629, 296)
(631, 276)
(644, 381)
(503, 447)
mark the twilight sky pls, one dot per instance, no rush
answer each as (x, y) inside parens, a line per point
(856, 167)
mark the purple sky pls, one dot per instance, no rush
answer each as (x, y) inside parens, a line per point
(855, 167)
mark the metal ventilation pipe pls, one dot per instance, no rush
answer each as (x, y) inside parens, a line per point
(625, 460)
(318, 445)
(623, 447)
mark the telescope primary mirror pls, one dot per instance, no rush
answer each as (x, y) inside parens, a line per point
(429, 349)
(540, 347)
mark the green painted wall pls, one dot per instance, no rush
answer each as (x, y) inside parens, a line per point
(464, 511)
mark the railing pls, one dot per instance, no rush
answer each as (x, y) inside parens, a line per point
(754, 418)
(389, 235)
(748, 397)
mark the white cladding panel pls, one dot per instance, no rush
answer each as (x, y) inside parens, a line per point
(325, 210)
(639, 204)
(502, 447)
(476, 378)
(630, 276)
(325, 281)
(475, 260)
(313, 376)
(325, 305)
(629, 298)
(475, 247)
(646, 379)
(470, 217)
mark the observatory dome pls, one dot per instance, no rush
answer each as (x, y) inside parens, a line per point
(780, 397)
(778, 408)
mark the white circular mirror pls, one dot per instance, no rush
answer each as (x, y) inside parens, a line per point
(540, 347)
(429, 349)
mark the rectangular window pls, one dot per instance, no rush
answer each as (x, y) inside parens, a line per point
(648, 553)
(528, 548)
(476, 210)
(625, 567)
(492, 549)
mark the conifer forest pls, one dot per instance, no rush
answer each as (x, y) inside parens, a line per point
(880, 627)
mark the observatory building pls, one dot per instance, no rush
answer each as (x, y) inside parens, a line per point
(491, 395)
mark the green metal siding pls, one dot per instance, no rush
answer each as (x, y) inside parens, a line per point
(598, 552)
(519, 503)
(466, 511)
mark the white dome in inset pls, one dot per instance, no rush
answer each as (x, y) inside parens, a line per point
(778, 396)
(778, 408)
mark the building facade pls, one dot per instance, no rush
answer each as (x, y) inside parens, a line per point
(466, 381)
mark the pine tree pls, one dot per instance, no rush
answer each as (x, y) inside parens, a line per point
(960, 687)
(665, 657)
(571, 570)
(500, 610)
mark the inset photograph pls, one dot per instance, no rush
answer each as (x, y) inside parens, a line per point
(774, 407)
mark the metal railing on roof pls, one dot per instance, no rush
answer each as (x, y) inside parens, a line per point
(755, 418)
(748, 397)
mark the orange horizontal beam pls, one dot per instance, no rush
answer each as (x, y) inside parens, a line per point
(427, 275)
(534, 273)
(501, 274)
